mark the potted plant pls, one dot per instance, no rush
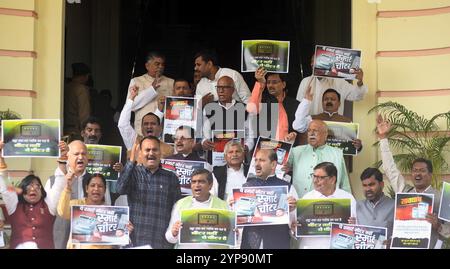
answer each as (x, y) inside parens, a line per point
(415, 136)
(9, 115)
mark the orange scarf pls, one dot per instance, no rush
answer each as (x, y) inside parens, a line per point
(283, 123)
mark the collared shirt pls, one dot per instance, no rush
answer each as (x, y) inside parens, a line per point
(324, 242)
(268, 236)
(142, 107)
(331, 114)
(193, 156)
(231, 113)
(380, 214)
(235, 180)
(320, 85)
(241, 94)
(151, 197)
(127, 132)
(273, 118)
(303, 118)
(398, 183)
(176, 215)
(304, 158)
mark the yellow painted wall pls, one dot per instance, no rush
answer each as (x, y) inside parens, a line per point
(394, 5)
(44, 74)
(364, 28)
(18, 4)
(16, 73)
(17, 33)
(414, 32)
(386, 74)
(45, 35)
(414, 73)
(49, 70)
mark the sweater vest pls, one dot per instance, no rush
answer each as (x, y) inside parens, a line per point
(186, 203)
(220, 172)
(32, 223)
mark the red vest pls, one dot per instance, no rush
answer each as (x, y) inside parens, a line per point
(32, 223)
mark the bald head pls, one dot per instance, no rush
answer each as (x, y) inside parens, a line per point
(225, 89)
(317, 133)
(77, 157)
(76, 144)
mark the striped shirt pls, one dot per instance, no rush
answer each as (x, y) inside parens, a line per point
(151, 197)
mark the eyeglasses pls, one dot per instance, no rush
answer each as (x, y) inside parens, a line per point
(318, 177)
(182, 138)
(223, 88)
(35, 186)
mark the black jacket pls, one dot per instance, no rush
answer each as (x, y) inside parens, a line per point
(220, 172)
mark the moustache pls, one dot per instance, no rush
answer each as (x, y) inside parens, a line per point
(329, 104)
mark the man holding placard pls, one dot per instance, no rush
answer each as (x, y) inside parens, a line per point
(348, 91)
(422, 171)
(268, 236)
(325, 187)
(201, 198)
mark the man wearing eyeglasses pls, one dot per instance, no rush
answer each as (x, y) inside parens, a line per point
(325, 187)
(206, 64)
(226, 114)
(303, 159)
(184, 145)
(77, 160)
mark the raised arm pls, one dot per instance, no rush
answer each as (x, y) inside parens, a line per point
(54, 194)
(394, 176)
(145, 96)
(126, 130)
(9, 196)
(64, 200)
(302, 117)
(353, 92)
(254, 103)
